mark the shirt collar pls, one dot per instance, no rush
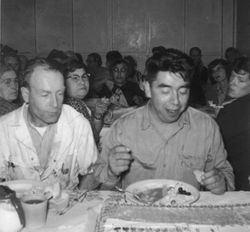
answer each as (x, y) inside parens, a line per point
(146, 122)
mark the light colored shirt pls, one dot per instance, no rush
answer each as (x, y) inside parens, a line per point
(72, 152)
(170, 151)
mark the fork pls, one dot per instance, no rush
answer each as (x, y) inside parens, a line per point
(80, 198)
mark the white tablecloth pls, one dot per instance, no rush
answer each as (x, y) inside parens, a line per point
(82, 217)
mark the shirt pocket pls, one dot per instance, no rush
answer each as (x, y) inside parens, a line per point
(193, 162)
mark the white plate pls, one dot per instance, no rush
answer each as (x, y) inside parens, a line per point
(171, 197)
(23, 186)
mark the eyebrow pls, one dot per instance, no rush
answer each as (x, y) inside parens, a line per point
(187, 85)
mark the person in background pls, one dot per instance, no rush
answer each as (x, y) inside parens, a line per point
(8, 89)
(45, 140)
(200, 71)
(23, 62)
(133, 74)
(219, 74)
(111, 57)
(166, 138)
(13, 61)
(158, 49)
(77, 87)
(234, 122)
(231, 54)
(122, 92)
(98, 73)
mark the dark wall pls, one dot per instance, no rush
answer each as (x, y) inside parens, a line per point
(131, 26)
(243, 26)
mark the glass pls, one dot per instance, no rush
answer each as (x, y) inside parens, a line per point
(35, 208)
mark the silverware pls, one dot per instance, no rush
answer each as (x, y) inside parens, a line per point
(79, 198)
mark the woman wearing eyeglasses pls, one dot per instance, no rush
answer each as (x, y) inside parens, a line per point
(8, 89)
(77, 87)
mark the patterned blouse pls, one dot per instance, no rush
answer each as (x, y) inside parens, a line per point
(80, 106)
(6, 107)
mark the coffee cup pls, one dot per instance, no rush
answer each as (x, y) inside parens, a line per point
(35, 207)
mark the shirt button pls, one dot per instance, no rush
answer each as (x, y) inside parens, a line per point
(32, 158)
(164, 165)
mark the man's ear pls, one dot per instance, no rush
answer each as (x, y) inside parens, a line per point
(147, 89)
(25, 94)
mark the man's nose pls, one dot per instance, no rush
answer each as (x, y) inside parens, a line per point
(175, 98)
(54, 101)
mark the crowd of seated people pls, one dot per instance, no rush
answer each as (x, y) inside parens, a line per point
(48, 100)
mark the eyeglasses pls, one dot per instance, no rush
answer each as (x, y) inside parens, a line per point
(77, 78)
(122, 70)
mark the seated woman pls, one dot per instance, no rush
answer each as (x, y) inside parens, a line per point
(8, 89)
(77, 87)
(219, 77)
(120, 90)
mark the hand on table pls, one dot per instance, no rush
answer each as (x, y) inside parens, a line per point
(119, 159)
(214, 181)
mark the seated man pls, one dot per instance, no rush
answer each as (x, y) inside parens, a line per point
(234, 122)
(8, 89)
(45, 140)
(166, 138)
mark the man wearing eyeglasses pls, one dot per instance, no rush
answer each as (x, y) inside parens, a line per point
(45, 140)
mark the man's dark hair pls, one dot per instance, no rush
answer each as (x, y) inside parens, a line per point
(38, 62)
(158, 49)
(195, 49)
(171, 60)
(97, 58)
(112, 56)
(242, 64)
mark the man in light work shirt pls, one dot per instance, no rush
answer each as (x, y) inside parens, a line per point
(45, 140)
(166, 138)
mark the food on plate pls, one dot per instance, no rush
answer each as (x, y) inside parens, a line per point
(199, 175)
(166, 195)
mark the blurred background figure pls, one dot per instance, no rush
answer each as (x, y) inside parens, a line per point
(200, 71)
(111, 57)
(23, 62)
(77, 87)
(8, 89)
(231, 54)
(133, 74)
(219, 74)
(99, 74)
(158, 49)
(12, 60)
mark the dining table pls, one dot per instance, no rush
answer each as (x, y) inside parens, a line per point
(85, 215)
